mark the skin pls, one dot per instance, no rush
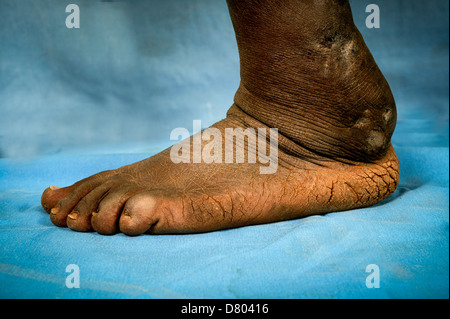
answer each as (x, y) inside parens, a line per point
(306, 71)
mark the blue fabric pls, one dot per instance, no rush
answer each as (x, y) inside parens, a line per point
(71, 100)
(316, 257)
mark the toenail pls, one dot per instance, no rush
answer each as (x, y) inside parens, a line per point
(55, 210)
(73, 215)
(94, 214)
(54, 188)
(126, 213)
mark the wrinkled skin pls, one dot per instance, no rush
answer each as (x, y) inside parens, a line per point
(306, 71)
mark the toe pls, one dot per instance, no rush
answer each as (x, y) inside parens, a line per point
(53, 194)
(58, 214)
(141, 213)
(106, 219)
(79, 218)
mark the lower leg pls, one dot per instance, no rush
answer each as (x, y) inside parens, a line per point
(306, 71)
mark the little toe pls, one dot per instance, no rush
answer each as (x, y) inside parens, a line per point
(53, 194)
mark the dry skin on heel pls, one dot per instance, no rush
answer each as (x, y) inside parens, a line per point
(305, 71)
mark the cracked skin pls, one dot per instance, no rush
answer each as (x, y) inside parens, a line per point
(306, 71)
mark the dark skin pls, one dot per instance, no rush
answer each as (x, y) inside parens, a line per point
(306, 71)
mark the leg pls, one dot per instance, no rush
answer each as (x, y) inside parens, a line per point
(306, 71)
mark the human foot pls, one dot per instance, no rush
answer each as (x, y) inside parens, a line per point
(158, 196)
(312, 79)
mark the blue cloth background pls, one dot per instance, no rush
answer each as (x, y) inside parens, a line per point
(77, 101)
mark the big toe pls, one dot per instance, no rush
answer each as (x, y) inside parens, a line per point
(142, 213)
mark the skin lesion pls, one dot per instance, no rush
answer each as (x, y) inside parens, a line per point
(329, 102)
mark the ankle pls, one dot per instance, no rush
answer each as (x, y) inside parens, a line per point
(322, 128)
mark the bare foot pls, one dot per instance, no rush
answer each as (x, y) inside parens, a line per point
(306, 72)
